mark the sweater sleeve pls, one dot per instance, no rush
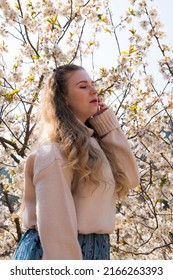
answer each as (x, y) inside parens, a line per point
(108, 128)
(55, 210)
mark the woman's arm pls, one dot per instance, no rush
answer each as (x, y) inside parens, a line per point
(108, 128)
(55, 210)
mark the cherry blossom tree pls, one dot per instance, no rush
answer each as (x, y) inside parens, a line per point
(39, 35)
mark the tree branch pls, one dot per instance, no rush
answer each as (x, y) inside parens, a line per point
(79, 41)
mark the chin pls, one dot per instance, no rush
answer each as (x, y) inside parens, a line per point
(94, 111)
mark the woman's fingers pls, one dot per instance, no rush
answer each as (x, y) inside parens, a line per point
(101, 108)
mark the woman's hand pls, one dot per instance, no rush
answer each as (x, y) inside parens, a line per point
(101, 107)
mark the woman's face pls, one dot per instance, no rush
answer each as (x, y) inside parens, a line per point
(82, 95)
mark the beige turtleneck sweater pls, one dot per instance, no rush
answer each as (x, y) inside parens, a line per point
(60, 210)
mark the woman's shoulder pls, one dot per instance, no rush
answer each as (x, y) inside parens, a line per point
(45, 155)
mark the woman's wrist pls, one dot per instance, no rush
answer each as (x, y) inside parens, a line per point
(104, 122)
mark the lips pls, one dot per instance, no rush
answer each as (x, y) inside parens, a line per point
(95, 100)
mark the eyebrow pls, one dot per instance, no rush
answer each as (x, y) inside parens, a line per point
(92, 82)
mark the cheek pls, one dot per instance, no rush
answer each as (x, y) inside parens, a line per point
(76, 100)
(73, 97)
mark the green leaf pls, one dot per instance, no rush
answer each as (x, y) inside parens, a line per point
(163, 180)
(124, 52)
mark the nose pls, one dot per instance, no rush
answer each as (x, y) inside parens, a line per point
(93, 90)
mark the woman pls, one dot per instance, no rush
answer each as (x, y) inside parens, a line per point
(83, 164)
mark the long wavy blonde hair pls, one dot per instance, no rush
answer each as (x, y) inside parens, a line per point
(62, 126)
